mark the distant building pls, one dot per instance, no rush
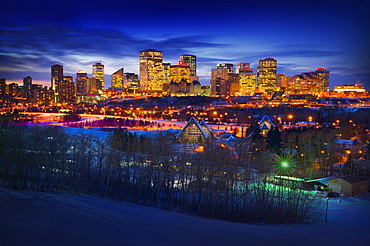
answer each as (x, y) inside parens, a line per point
(27, 88)
(180, 72)
(228, 66)
(266, 75)
(131, 81)
(190, 60)
(312, 82)
(241, 66)
(45, 96)
(151, 71)
(56, 75)
(281, 81)
(349, 88)
(93, 85)
(118, 79)
(66, 90)
(98, 73)
(194, 133)
(219, 82)
(81, 82)
(185, 88)
(2, 87)
(247, 82)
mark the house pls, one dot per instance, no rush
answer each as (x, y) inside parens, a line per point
(350, 185)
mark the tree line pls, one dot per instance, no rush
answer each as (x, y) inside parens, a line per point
(152, 172)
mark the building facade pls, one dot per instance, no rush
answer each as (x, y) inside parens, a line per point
(56, 75)
(151, 71)
(266, 75)
(27, 88)
(118, 79)
(219, 82)
(190, 60)
(81, 82)
(179, 72)
(98, 73)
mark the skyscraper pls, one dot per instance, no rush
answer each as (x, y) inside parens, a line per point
(56, 75)
(266, 75)
(191, 60)
(118, 79)
(151, 71)
(228, 66)
(323, 77)
(27, 87)
(180, 71)
(81, 82)
(98, 73)
(242, 65)
(66, 90)
(219, 82)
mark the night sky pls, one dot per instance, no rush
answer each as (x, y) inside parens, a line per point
(299, 34)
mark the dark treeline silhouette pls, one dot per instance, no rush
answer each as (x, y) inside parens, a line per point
(110, 122)
(151, 172)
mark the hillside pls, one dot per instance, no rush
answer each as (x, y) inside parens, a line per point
(33, 218)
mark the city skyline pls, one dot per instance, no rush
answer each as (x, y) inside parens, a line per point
(300, 36)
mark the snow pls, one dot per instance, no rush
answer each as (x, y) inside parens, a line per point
(34, 218)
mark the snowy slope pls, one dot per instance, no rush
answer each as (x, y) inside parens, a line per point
(31, 218)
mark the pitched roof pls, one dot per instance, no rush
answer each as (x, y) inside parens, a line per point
(353, 178)
(193, 132)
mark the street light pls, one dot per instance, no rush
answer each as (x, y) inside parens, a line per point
(285, 164)
(327, 207)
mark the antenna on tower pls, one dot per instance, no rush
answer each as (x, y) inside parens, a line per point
(271, 55)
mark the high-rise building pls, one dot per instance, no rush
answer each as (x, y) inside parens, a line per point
(66, 90)
(191, 60)
(98, 73)
(151, 71)
(56, 75)
(27, 88)
(118, 79)
(242, 65)
(281, 80)
(228, 66)
(131, 80)
(247, 82)
(323, 77)
(166, 72)
(219, 82)
(179, 72)
(2, 87)
(81, 82)
(266, 75)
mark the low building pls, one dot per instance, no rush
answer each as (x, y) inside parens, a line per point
(349, 185)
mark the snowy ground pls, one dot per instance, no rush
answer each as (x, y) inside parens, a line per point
(33, 218)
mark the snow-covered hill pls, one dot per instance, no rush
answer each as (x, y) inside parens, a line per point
(33, 218)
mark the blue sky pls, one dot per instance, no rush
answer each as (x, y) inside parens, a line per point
(299, 34)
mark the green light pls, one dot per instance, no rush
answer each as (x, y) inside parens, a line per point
(285, 164)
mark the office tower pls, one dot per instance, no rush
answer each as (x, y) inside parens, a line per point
(281, 81)
(130, 80)
(117, 79)
(242, 65)
(179, 72)
(219, 82)
(27, 88)
(45, 96)
(2, 87)
(247, 82)
(93, 85)
(266, 75)
(98, 73)
(228, 66)
(323, 78)
(81, 82)
(66, 90)
(166, 72)
(191, 60)
(56, 75)
(151, 71)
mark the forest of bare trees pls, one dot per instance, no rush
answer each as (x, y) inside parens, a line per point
(150, 172)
